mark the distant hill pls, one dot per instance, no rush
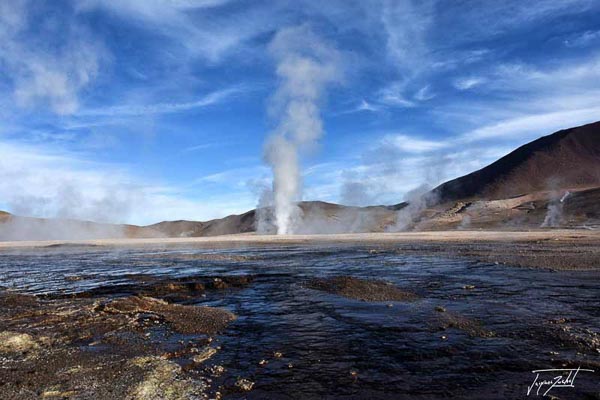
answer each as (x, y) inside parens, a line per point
(567, 158)
(318, 217)
(223, 226)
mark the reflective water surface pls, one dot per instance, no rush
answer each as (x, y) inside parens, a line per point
(477, 330)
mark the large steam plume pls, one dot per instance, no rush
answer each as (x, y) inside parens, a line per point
(306, 65)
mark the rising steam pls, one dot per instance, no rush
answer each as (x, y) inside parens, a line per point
(554, 216)
(306, 65)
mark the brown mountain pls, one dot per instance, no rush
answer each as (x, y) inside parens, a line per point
(223, 226)
(567, 158)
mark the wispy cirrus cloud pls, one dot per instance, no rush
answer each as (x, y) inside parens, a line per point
(191, 24)
(583, 39)
(425, 93)
(532, 125)
(524, 101)
(410, 144)
(208, 145)
(395, 95)
(468, 82)
(234, 177)
(212, 98)
(406, 24)
(362, 106)
(468, 22)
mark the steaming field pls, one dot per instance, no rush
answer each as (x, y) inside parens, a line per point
(577, 249)
(339, 316)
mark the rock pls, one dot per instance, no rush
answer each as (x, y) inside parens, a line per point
(197, 286)
(361, 289)
(164, 381)
(58, 393)
(218, 283)
(559, 321)
(440, 309)
(174, 289)
(471, 327)
(16, 343)
(244, 384)
(217, 370)
(204, 355)
(238, 280)
(183, 319)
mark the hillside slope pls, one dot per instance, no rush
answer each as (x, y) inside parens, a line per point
(567, 158)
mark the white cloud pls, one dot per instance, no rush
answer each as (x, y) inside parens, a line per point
(394, 95)
(54, 73)
(208, 145)
(44, 182)
(533, 125)
(409, 144)
(205, 36)
(366, 106)
(475, 21)
(424, 93)
(523, 101)
(162, 108)
(468, 82)
(406, 24)
(235, 177)
(584, 39)
(362, 106)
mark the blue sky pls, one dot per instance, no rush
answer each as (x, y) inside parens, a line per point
(145, 110)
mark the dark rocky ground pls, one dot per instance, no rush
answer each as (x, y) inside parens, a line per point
(94, 345)
(568, 253)
(152, 338)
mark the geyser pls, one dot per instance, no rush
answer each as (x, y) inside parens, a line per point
(306, 65)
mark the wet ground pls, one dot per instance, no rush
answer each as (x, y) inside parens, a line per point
(289, 322)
